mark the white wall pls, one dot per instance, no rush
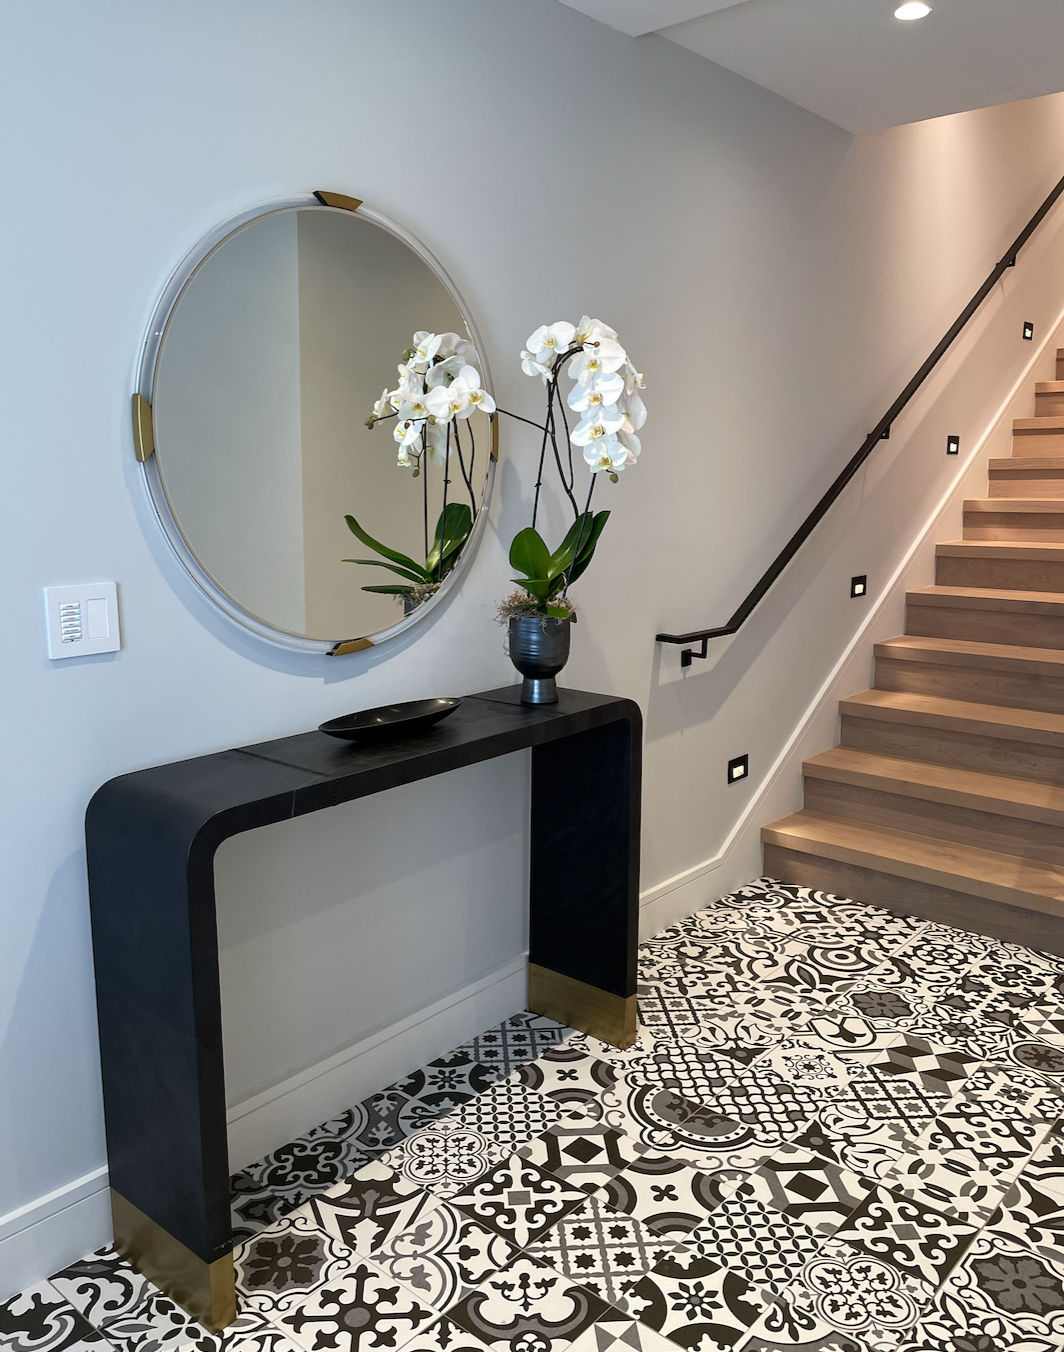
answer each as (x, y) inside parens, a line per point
(775, 280)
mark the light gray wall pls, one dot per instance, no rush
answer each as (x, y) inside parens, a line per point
(227, 419)
(776, 281)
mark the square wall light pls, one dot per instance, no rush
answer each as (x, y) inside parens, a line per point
(739, 768)
(953, 445)
(859, 585)
(1028, 330)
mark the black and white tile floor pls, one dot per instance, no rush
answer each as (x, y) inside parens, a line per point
(840, 1129)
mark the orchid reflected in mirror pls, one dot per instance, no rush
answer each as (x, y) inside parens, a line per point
(439, 391)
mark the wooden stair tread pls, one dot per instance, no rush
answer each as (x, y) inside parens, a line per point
(931, 711)
(963, 652)
(1049, 387)
(1004, 878)
(987, 598)
(1029, 799)
(1054, 423)
(1024, 464)
(1028, 505)
(1002, 549)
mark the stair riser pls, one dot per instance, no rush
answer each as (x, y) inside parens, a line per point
(907, 897)
(1048, 405)
(949, 746)
(985, 626)
(1012, 689)
(1000, 574)
(1048, 484)
(1037, 442)
(943, 821)
(1060, 363)
(1033, 526)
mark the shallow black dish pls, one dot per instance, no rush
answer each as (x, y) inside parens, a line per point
(390, 720)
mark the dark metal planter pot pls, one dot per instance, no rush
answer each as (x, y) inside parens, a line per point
(539, 648)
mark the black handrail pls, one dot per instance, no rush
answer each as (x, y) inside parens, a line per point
(879, 432)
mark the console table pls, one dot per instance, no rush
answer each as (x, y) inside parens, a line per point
(151, 838)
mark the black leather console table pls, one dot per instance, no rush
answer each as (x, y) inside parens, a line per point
(151, 839)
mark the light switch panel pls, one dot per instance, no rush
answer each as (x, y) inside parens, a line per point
(82, 619)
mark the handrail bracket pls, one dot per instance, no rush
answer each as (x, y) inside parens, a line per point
(688, 655)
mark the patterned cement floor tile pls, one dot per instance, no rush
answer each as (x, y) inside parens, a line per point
(363, 1211)
(528, 1305)
(39, 1319)
(663, 1193)
(697, 1304)
(518, 1200)
(445, 1157)
(602, 1249)
(364, 1309)
(916, 1239)
(444, 1255)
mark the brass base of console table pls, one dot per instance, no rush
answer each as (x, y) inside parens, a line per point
(206, 1290)
(586, 1008)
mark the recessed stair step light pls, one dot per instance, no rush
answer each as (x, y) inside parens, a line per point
(913, 9)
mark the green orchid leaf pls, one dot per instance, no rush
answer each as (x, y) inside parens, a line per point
(587, 551)
(539, 587)
(529, 554)
(391, 591)
(563, 555)
(452, 531)
(561, 613)
(391, 567)
(378, 548)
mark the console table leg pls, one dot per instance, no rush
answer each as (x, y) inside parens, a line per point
(584, 902)
(206, 1290)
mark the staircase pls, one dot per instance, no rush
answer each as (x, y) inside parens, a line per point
(945, 796)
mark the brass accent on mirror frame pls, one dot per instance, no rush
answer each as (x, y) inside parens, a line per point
(578, 1005)
(351, 645)
(495, 436)
(337, 199)
(206, 1290)
(143, 429)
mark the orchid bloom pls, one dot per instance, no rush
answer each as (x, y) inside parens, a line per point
(532, 367)
(426, 345)
(550, 340)
(415, 406)
(476, 397)
(634, 410)
(596, 425)
(600, 390)
(436, 437)
(407, 431)
(631, 444)
(447, 401)
(589, 328)
(606, 454)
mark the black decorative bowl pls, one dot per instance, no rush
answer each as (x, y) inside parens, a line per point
(390, 720)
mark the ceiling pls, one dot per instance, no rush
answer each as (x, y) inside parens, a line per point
(852, 62)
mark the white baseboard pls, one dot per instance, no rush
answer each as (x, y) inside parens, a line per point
(59, 1228)
(45, 1235)
(286, 1110)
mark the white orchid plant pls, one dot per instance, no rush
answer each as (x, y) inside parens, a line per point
(605, 396)
(439, 390)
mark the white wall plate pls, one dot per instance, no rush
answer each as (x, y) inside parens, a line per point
(82, 619)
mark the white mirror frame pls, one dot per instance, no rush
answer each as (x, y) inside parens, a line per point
(145, 388)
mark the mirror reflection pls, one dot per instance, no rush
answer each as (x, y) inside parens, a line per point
(315, 501)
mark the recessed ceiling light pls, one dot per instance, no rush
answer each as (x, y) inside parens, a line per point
(914, 9)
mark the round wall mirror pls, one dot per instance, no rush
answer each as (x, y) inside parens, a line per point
(278, 339)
